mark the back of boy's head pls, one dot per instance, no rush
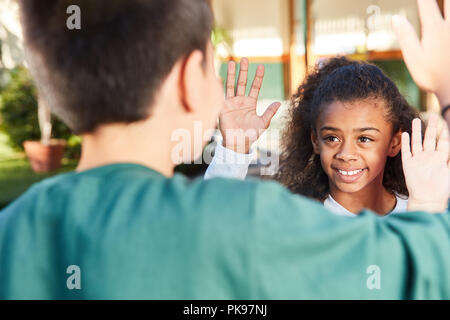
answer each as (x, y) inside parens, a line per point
(344, 80)
(110, 70)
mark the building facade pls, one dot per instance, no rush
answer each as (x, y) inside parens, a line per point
(290, 36)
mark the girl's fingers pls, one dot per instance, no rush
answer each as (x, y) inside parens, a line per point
(443, 144)
(257, 82)
(231, 76)
(417, 136)
(429, 143)
(406, 152)
(242, 80)
(270, 113)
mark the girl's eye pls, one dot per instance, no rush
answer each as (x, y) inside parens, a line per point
(331, 139)
(365, 139)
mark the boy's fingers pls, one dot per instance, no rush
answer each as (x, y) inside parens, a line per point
(406, 151)
(408, 40)
(429, 143)
(443, 144)
(257, 82)
(270, 113)
(231, 76)
(429, 13)
(447, 10)
(416, 136)
(242, 80)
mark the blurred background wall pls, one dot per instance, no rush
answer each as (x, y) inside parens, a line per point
(288, 36)
(10, 35)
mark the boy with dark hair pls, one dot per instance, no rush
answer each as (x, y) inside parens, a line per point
(134, 74)
(110, 70)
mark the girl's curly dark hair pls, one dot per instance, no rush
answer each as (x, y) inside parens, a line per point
(344, 80)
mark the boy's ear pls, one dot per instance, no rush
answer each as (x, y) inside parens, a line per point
(315, 142)
(191, 81)
(396, 144)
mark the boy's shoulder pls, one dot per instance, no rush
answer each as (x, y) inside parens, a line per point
(131, 192)
(135, 183)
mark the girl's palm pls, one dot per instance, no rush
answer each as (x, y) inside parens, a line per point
(427, 167)
(239, 117)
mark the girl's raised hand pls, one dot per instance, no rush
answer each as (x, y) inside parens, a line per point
(239, 123)
(427, 167)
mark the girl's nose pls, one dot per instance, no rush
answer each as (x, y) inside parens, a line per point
(347, 153)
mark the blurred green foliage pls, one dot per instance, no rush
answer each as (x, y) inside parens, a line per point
(16, 176)
(220, 36)
(19, 114)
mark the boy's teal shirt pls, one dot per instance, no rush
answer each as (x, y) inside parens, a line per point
(136, 234)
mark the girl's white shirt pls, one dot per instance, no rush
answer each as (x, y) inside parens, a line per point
(229, 164)
(335, 207)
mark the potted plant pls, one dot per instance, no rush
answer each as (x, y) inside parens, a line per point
(28, 123)
(44, 155)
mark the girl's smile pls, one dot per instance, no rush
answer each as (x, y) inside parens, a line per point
(349, 175)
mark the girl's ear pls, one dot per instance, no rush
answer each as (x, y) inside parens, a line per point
(315, 142)
(396, 145)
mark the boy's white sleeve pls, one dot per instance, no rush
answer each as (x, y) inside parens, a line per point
(228, 164)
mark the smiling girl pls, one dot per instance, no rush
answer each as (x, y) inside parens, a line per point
(342, 145)
(343, 140)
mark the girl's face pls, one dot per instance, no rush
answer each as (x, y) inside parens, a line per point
(354, 140)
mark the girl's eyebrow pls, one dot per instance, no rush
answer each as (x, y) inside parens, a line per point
(357, 130)
(367, 129)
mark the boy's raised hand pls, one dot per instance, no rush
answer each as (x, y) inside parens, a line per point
(427, 59)
(239, 123)
(427, 167)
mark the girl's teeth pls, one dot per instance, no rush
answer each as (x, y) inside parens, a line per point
(350, 173)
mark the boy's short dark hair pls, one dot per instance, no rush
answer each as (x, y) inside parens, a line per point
(110, 70)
